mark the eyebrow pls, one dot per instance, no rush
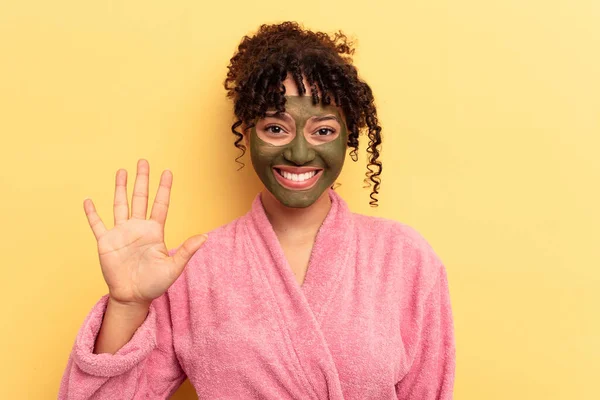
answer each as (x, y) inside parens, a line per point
(317, 118)
(326, 118)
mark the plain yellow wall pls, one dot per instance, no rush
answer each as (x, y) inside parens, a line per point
(491, 116)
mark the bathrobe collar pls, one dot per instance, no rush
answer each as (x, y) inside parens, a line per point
(329, 256)
(303, 308)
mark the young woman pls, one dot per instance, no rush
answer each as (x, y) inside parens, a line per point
(298, 299)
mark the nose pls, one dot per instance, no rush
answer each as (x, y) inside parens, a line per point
(299, 151)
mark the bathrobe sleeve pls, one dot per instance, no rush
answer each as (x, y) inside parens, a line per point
(145, 367)
(431, 375)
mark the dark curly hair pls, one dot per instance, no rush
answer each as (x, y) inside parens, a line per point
(262, 62)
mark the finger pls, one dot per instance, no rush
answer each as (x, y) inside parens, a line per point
(121, 206)
(186, 251)
(139, 203)
(163, 194)
(93, 218)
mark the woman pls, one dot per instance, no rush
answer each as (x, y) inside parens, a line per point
(298, 299)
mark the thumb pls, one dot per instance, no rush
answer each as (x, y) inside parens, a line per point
(187, 250)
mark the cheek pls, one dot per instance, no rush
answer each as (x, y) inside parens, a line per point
(334, 154)
(263, 153)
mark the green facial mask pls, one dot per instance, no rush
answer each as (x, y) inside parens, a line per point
(300, 152)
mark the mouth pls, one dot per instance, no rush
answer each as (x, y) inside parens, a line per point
(298, 178)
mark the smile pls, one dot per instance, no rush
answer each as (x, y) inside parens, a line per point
(297, 178)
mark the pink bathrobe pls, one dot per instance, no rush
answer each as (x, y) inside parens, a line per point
(372, 320)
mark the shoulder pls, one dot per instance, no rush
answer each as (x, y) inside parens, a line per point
(393, 233)
(391, 229)
(401, 247)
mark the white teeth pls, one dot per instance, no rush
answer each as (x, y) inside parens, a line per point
(298, 177)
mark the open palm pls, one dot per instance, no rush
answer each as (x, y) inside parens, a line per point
(134, 258)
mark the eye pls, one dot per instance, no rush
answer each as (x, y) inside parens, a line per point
(275, 129)
(324, 132)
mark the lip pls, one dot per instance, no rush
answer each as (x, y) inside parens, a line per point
(294, 185)
(296, 170)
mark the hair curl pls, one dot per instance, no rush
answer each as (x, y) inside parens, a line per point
(262, 62)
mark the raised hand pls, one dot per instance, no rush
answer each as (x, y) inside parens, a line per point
(134, 258)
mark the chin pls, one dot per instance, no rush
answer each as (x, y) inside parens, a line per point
(296, 199)
(296, 204)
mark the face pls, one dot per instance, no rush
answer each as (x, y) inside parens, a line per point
(300, 153)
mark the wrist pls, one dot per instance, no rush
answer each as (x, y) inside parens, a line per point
(127, 309)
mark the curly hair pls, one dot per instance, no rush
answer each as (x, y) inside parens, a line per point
(262, 62)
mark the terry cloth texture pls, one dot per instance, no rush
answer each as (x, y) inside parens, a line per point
(372, 320)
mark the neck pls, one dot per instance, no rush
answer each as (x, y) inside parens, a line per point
(301, 223)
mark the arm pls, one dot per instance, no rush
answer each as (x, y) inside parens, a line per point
(145, 365)
(118, 325)
(133, 355)
(431, 375)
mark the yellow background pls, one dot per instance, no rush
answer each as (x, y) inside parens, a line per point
(491, 116)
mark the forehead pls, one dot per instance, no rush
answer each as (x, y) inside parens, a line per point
(302, 107)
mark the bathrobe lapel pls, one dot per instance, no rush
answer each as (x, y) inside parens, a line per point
(303, 308)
